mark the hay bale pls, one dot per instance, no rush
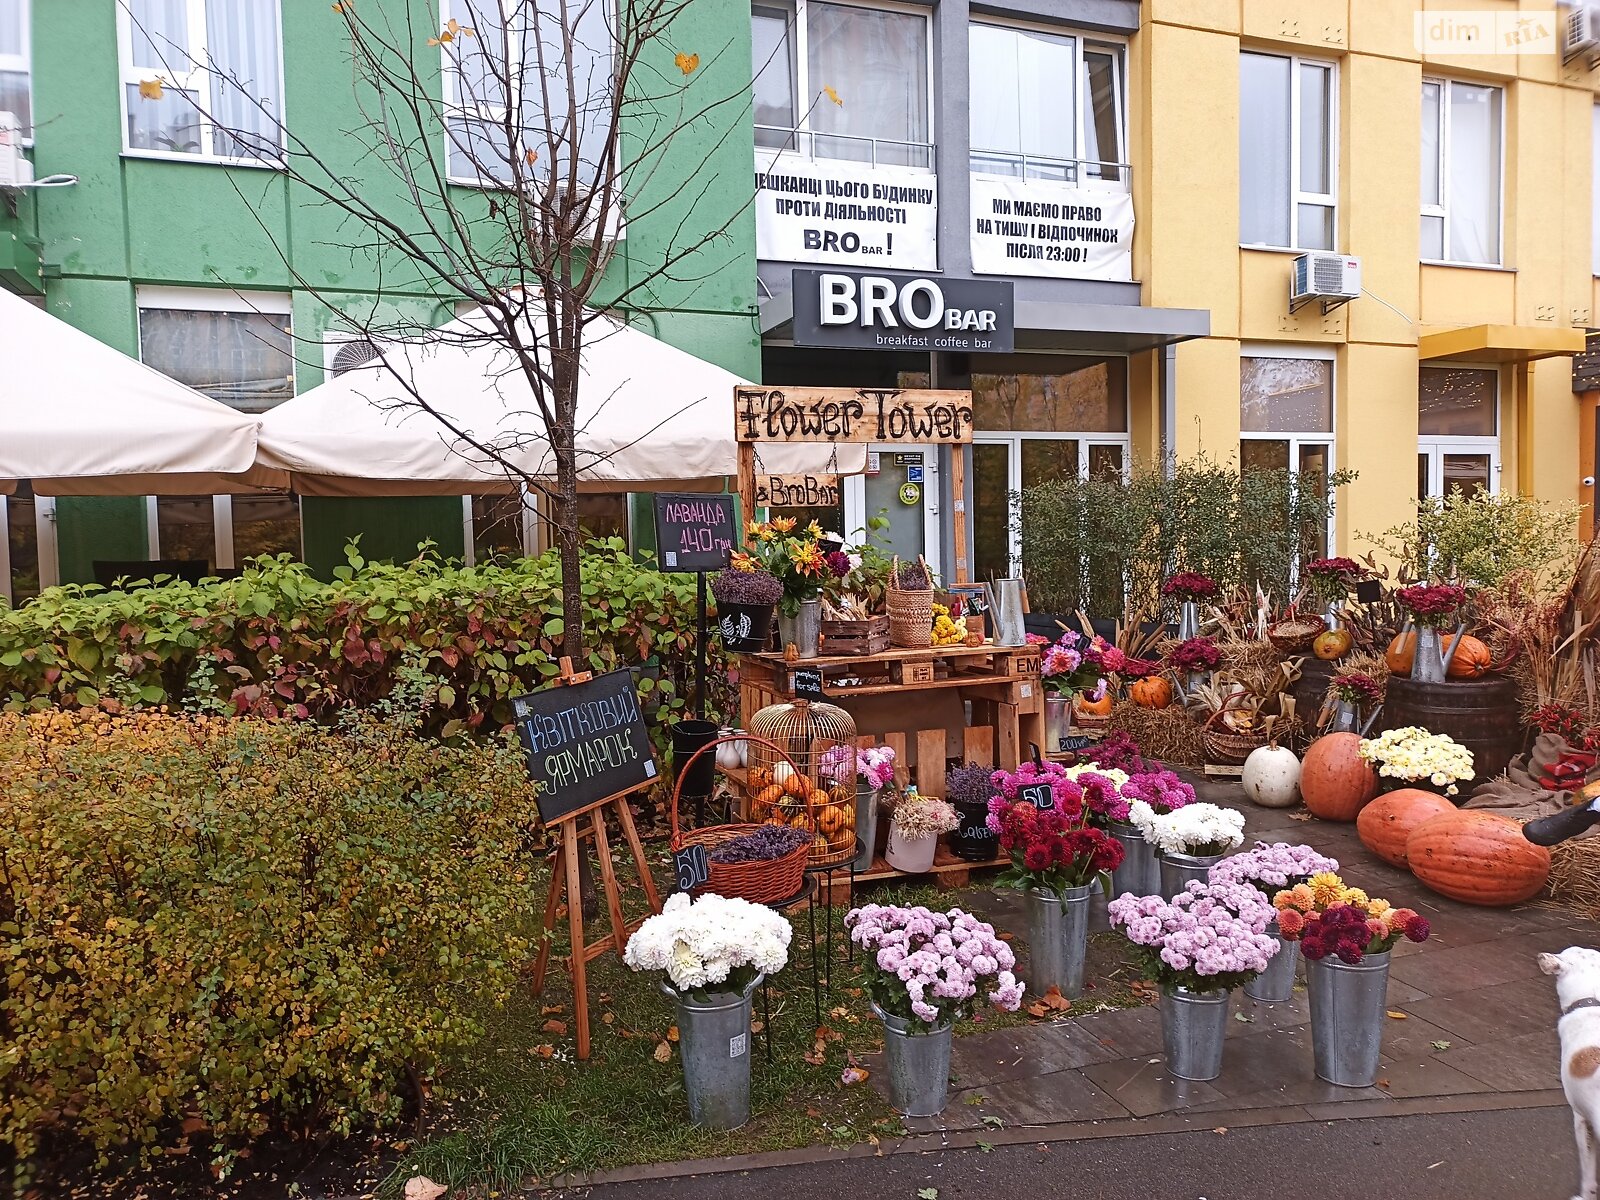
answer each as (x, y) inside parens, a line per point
(1169, 734)
(1575, 874)
(1250, 657)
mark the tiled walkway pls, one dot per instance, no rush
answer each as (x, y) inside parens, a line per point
(1479, 1022)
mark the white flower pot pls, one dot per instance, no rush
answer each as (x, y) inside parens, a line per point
(911, 855)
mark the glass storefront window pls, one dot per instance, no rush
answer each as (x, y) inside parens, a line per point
(1285, 395)
(1092, 398)
(186, 528)
(1458, 423)
(496, 527)
(243, 359)
(22, 544)
(265, 524)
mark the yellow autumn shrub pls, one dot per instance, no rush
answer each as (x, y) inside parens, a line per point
(245, 922)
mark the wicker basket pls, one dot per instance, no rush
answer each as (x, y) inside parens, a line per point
(804, 753)
(910, 613)
(1296, 635)
(1228, 747)
(758, 882)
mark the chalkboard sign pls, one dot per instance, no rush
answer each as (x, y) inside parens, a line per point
(694, 532)
(806, 683)
(691, 866)
(1040, 795)
(1075, 741)
(584, 743)
(1369, 591)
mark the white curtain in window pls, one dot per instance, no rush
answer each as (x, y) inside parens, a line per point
(1473, 198)
(159, 34)
(242, 40)
(245, 360)
(773, 67)
(11, 26)
(1264, 146)
(14, 91)
(877, 64)
(1022, 99)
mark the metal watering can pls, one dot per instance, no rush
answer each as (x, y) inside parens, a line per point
(1431, 662)
(1005, 603)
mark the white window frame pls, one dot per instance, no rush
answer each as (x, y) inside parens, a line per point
(187, 78)
(807, 90)
(1442, 210)
(1436, 446)
(1082, 41)
(23, 63)
(1298, 195)
(1012, 440)
(1297, 440)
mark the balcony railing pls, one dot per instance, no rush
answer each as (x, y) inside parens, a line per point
(847, 147)
(1088, 171)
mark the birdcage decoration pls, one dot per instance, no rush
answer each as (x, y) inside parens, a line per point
(820, 741)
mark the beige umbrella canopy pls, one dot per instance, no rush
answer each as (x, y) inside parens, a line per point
(648, 414)
(79, 418)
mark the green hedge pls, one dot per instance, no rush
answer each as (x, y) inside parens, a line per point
(233, 925)
(276, 641)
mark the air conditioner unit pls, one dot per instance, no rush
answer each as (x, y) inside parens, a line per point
(1580, 31)
(343, 352)
(1334, 279)
(15, 169)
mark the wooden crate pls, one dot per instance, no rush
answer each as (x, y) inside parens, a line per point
(856, 637)
(1020, 662)
(915, 669)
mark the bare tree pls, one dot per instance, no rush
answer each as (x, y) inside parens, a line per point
(573, 118)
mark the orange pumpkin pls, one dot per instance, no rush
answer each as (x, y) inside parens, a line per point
(1471, 661)
(1477, 858)
(1332, 644)
(1090, 707)
(1335, 781)
(1384, 825)
(1154, 692)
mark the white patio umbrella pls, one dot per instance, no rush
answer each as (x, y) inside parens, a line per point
(79, 418)
(648, 414)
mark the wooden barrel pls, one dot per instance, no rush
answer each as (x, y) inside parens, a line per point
(1311, 688)
(1481, 714)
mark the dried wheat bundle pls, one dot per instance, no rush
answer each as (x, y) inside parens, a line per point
(1168, 734)
(1575, 875)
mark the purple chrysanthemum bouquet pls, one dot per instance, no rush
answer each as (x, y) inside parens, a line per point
(928, 967)
(1271, 868)
(1210, 937)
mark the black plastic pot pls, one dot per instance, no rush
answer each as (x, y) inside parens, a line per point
(745, 628)
(687, 737)
(972, 840)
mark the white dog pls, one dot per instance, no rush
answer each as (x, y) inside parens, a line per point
(1577, 972)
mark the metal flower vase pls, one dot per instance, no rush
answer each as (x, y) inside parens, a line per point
(1138, 873)
(1347, 1015)
(803, 631)
(1275, 985)
(918, 1060)
(714, 1043)
(1188, 621)
(1194, 1029)
(1431, 662)
(1178, 869)
(1058, 939)
(866, 824)
(1057, 722)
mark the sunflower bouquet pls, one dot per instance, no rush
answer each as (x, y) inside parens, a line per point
(793, 555)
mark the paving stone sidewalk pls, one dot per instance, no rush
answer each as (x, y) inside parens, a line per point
(1479, 1020)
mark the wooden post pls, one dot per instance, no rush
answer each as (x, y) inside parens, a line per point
(747, 485)
(958, 506)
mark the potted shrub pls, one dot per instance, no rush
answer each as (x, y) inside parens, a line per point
(968, 789)
(1345, 936)
(924, 972)
(915, 823)
(746, 595)
(714, 951)
(1411, 757)
(1197, 946)
(1055, 857)
(1270, 869)
(1189, 840)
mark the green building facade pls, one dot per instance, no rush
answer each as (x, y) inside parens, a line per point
(191, 262)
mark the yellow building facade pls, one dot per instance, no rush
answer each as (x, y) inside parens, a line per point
(1445, 146)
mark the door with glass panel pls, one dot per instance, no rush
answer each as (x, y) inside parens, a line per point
(1458, 420)
(900, 487)
(1002, 468)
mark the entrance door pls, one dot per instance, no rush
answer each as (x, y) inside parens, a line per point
(1004, 465)
(1467, 464)
(901, 485)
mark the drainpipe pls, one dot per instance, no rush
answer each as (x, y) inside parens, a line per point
(1169, 410)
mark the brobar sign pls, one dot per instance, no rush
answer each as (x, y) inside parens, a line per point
(902, 312)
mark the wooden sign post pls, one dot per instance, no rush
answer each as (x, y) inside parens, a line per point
(587, 751)
(910, 416)
(696, 532)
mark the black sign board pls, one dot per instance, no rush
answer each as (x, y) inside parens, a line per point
(806, 683)
(584, 742)
(694, 532)
(691, 866)
(1369, 591)
(1074, 742)
(897, 311)
(1040, 795)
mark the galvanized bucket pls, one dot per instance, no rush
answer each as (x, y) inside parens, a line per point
(918, 1059)
(1058, 939)
(1178, 869)
(714, 1043)
(1194, 1026)
(1057, 722)
(803, 630)
(1276, 984)
(1138, 873)
(866, 824)
(1347, 1007)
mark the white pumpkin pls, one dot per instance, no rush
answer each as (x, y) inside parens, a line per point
(1271, 777)
(781, 772)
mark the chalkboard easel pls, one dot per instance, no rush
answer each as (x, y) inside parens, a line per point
(574, 828)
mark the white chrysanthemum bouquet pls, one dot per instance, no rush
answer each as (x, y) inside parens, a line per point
(713, 944)
(1195, 829)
